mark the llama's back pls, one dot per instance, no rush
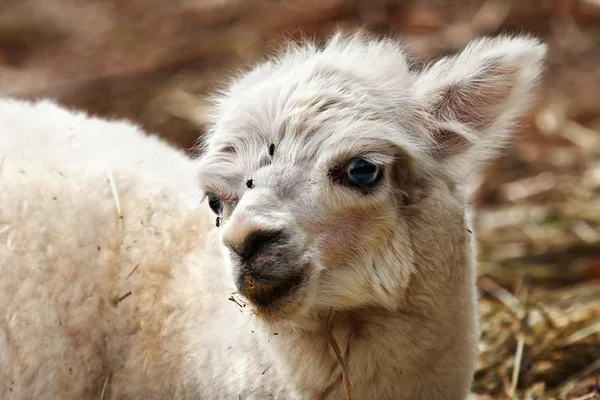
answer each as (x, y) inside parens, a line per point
(95, 218)
(50, 136)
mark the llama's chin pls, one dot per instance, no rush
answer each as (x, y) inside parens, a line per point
(277, 301)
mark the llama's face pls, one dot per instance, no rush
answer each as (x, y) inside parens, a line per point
(313, 220)
(315, 160)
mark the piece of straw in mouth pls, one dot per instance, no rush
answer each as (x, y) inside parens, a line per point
(340, 359)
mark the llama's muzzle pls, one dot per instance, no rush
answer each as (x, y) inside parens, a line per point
(265, 269)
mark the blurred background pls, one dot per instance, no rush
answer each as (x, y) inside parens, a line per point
(538, 219)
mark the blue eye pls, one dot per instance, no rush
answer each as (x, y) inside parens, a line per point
(363, 173)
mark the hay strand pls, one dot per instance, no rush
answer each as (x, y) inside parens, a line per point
(338, 354)
(113, 188)
(105, 386)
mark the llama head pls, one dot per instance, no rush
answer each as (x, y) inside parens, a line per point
(316, 160)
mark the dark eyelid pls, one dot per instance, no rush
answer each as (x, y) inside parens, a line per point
(224, 198)
(344, 160)
(207, 195)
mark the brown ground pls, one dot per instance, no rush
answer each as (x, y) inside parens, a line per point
(539, 209)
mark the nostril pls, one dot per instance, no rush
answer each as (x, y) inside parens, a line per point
(256, 241)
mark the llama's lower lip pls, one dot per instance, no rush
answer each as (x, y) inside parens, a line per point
(265, 292)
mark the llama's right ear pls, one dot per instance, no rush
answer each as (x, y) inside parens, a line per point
(470, 102)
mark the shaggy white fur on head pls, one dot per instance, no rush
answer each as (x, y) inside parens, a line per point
(356, 98)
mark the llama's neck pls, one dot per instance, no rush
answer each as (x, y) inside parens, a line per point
(380, 348)
(237, 355)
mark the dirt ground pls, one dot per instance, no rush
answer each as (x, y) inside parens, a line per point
(538, 218)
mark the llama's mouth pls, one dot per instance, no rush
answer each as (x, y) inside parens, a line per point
(267, 292)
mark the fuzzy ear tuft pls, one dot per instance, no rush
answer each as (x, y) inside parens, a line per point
(472, 101)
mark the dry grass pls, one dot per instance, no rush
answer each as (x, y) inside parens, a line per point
(538, 219)
(541, 239)
(543, 344)
(338, 354)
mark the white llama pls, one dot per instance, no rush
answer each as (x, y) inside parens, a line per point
(344, 241)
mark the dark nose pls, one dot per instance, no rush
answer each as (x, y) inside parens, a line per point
(256, 242)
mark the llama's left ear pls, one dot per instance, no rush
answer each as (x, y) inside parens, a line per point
(470, 102)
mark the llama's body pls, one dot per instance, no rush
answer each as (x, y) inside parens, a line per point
(64, 329)
(123, 291)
